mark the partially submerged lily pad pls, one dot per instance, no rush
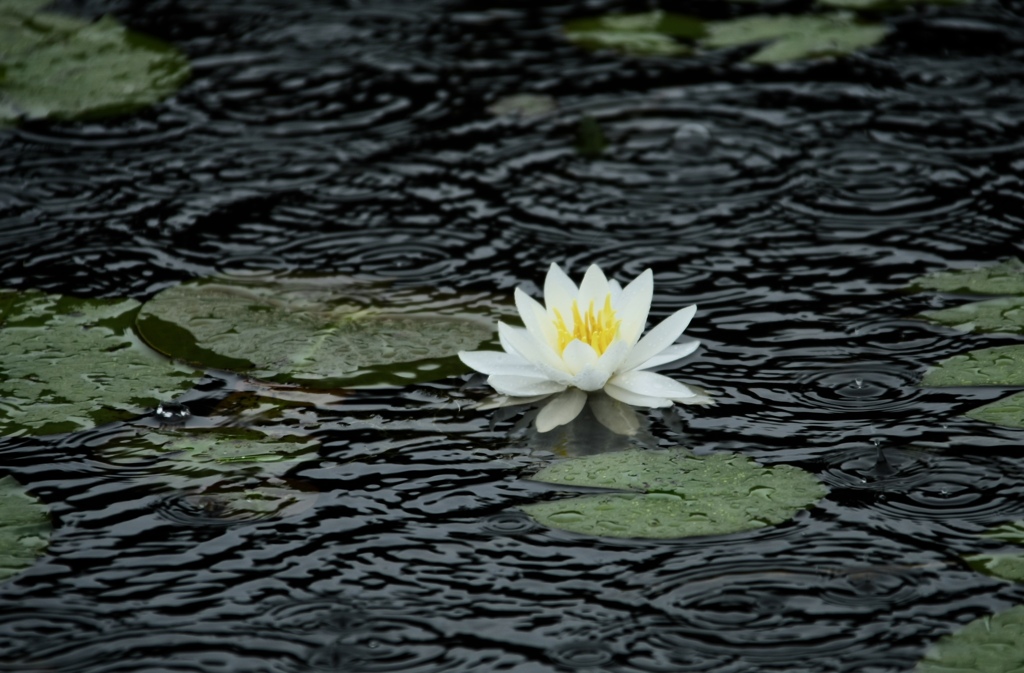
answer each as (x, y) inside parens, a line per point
(68, 364)
(24, 528)
(1004, 314)
(991, 644)
(999, 366)
(1006, 277)
(674, 494)
(60, 67)
(647, 34)
(792, 37)
(316, 331)
(217, 451)
(1005, 566)
(1008, 412)
(885, 5)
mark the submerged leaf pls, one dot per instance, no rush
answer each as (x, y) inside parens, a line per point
(674, 494)
(647, 34)
(320, 332)
(794, 38)
(999, 366)
(991, 644)
(1005, 314)
(61, 67)
(1006, 277)
(24, 528)
(68, 364)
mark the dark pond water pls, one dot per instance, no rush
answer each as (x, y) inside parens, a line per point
(791, 204)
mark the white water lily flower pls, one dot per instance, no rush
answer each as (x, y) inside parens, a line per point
(585, 339)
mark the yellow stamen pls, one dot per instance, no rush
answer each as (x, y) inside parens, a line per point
(595, 328)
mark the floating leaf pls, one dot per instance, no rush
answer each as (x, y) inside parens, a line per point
(674, 494)
(1005, 314)
(1008, 532)
(590, 140)
(320, 332)
(885, 5)
(217, 451)
(647, 34)
(793, 38)
(524, 105)
(999, 366)
(1008, 411)
(992, 644)
(1005, 566)
(1006, 277)
(60, 67)
(67, 364)
(24, 528)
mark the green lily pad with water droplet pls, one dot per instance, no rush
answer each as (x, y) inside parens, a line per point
(1005, 277)
(1005, 314)
(647, 34)
(1004, 566)
(999, 366)
(322, 332)
(792, 37)
(991, 644)
(674, 494)
(24, 528)
(61, 67)
(69, 364)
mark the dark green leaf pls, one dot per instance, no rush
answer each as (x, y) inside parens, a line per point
(991, 644)
(999, 366)
(24, 528)
(792, 38)
(674, 494)
(647, 34)
(1006, 277)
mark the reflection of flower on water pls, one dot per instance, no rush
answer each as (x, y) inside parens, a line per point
(587, 339)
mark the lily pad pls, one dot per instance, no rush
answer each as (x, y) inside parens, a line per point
(61, 67)
(991, 644)
(999, 366)
(792, 38)
(647, 34)
(322, 332)
(885, 5)
(1008, 412)
(24, 528)
(1006, 277)
(68, 364)
(1005, 314)
(1008, 532)
(674, 494)
(1005, 566)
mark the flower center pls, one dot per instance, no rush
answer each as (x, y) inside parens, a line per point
(597, 328)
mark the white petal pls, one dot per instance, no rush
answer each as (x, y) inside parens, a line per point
(523, 386)
(594, 288)
(635, 399)
(633, 306)
(559, 292)
(590, 379)
(658, 339)
(671, 354)
(577, 356)
(616, 289)
(613, 356)
(519, 341)
(496, 362)
(536, 320)
(652, 385)
(561, 410)
(614, 415)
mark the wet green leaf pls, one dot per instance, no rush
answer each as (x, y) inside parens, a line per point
(523, 105)
(67, 364)
(1005, 277)
(590, 140)
(999, 366)
(1008, 532)
(1004, 566)
(317, 331)
(991, 644)
(1008, 412)
(24, 528)
(60, 67)
(647, 34)
(885, 5)
(1005, 314)
(674, 494)
(792, 38)
(218, 451)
